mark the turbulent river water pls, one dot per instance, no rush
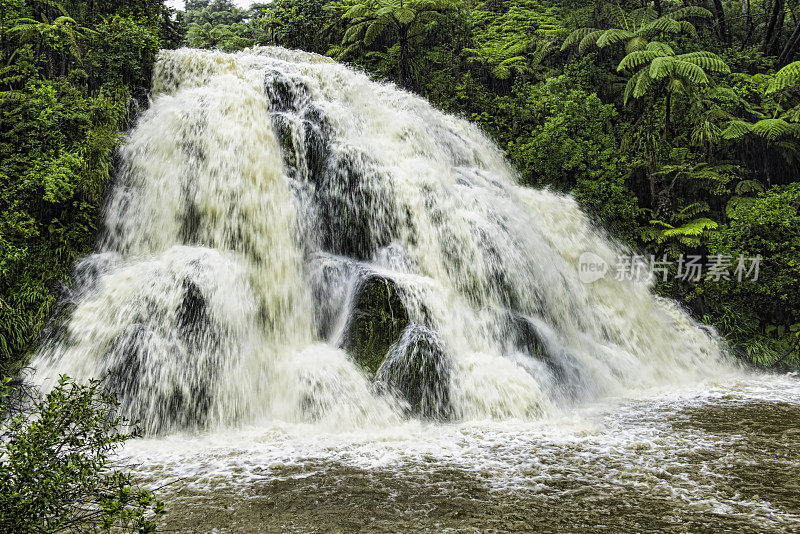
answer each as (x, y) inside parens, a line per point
(260, 194)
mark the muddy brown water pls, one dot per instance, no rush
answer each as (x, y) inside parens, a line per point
(725, 459)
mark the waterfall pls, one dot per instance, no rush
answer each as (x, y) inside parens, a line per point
(265, 195)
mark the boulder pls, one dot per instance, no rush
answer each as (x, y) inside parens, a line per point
(417, 369)
(377, 319)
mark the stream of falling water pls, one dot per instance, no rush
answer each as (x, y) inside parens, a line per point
(256, 197)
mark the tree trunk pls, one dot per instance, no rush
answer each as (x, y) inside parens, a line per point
(746, 12)
(3, 33)
(749, 22)
(659, 8)
(721, 21)
(773, 30)
(404, 76)
(667, 114)
(790, 47)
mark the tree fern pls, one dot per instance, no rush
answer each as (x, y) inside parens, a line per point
(658, 62)
(736, 129)
(788, 76)
(614, 36)
(773, 129)
(635, 29)
(689, 12)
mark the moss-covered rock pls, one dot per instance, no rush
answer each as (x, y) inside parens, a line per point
(377, 320)
(418, 370)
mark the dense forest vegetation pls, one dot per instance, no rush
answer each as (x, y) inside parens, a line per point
(676, 125)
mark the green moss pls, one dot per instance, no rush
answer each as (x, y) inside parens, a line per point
(418, 370)
(379, 318)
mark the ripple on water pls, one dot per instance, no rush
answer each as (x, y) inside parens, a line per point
(719, 459)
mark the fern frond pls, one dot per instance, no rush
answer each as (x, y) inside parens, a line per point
(374, 30)
(576, 36)
(643, 83)
(788, 76)
(636, 59)
(688, 28)
(691, 229)
(357, 11)
(736, 129)
(706, 60)
(635, 44)
(613, 36)
(662, 48)
(588, 40)
(689, 71)
(689, 12)
(663, 25)
(404, 15)
(748, 186)
(661, 67)
(692, 209)
(772, 129)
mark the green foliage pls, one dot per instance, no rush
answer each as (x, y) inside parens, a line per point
(64, 95)
(659, 63)
(562, 135)
(405, 22)
(293, 24)
(636, 29)
(56, 468)
(685, 232)
(770, 228)
(514, 40)
(788, 76)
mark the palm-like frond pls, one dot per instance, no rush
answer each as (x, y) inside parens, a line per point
(613, 36)
(588, 40)
(706, 61)
(374, 30)
(788, 76)
(635, 44)
(736, 129)
(689, 12)
(577, 36)
(662, 48)
(664, 25)
(773, 129)
(748, 186)
(637, 59)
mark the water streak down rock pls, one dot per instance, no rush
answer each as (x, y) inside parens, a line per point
(272, 207)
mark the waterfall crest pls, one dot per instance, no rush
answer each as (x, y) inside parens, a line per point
(258, 196)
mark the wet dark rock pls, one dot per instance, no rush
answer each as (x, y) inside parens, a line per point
(418, 370)
(317, 135)
(376, 323)
(284, 93)
(140, 379)
(194, 322)
(525, 336)
(330, 278)
(305, 140)
(357, 206)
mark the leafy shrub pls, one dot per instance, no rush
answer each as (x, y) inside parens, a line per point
(56, 464)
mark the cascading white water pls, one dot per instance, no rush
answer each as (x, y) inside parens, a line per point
(257, 193)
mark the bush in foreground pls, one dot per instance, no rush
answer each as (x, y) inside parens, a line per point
(56, 463)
